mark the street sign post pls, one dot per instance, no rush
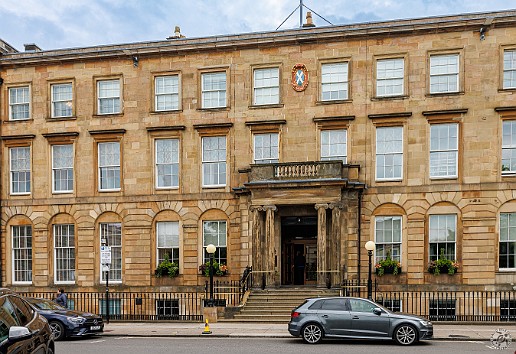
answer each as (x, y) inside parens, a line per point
(105, 260)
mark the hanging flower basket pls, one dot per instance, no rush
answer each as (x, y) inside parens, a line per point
(218, 269)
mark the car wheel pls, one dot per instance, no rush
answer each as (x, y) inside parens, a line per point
(58, 330)
(312, 333)
(405, 334)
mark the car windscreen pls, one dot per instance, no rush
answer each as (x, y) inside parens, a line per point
(46, 304)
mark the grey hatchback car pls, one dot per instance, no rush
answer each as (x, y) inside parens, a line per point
(357, 318)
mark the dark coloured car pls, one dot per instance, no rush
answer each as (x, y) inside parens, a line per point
(357, 318)
(67, 323)
(22, 328)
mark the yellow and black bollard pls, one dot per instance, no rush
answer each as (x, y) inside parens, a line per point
(206, 328)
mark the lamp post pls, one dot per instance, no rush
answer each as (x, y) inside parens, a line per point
(211, 251)
(370, 246)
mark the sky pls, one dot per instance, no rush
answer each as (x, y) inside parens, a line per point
(56, 24)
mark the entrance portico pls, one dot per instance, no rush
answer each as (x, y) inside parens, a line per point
(323, 198)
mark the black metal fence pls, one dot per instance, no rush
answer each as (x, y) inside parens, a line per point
(462, 306)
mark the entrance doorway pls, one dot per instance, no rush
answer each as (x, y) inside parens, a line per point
(299, 250)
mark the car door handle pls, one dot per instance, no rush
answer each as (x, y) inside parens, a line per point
(356, 317)
(325, 316)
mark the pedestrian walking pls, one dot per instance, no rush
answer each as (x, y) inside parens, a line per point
(62, 299)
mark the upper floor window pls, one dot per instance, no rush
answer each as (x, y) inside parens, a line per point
(214, 90)
(334, 81)
(62, 168)
(507, 246)
(167, 234)
(64, 253)
(443, 150)
(167, 93)
(389, 153)
(20, 169)
(334, 145)
(214, 161)
(19, 103)
(109, 166)
(62, 104)
(22, 253)
(215, 232)
(442, 236)
(167, 163)
(509, 69)
(266, 86)
(108, 94)
(388, 237)
(509, 147)
(390, 77)
(444, 73)
(111, 233)
(266, 148)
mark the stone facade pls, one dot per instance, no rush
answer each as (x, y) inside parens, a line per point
(254, 203)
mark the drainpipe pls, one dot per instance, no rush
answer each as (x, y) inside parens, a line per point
(359, 230)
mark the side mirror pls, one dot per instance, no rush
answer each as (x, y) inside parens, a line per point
(377, 311)
(16, 333)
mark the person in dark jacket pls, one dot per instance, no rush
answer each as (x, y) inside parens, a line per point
(62, 299)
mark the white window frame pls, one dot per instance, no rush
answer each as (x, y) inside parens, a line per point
(390, 77)
(111, 94)
(24, 94)
(19, 247)
(112, 167)
(219, 239)
(509, 69)
(167, 160)
(437, 234)
(166, 93)
(332, 145)
(23, 170)
(266, 86)
(389, 240)
(444, 73)
(335, 81)
(112, 233)
(507, 234)
(62, 167)
(266, 148)
(167, 239)
(508, 147)
(64, 250)
(212, 165)
(444, 150)
(60, 98)
(394, 152)
(214, 89)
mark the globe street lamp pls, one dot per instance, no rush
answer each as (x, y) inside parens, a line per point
(211, 251)
(370, 246)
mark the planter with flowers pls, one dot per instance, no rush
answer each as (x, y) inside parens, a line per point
(388, 266)
(219, 269)
(443, 265)
(167, 268)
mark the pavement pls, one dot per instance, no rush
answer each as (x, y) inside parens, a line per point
(464, 332)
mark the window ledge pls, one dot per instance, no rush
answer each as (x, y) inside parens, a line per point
(171, 111)
(110, 115)
(214, 109)
(508, 90)
(509, 174)
(386, 98)
(19, 120)
(261, 106)
(348, 100)
(110, 190)
(60, 119)
(443, 178)
(444, 94)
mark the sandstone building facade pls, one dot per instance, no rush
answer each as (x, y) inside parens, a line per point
(284, 149)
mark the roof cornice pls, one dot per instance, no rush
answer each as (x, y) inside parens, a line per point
(260, 39)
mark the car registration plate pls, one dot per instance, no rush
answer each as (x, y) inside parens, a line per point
(94, 328)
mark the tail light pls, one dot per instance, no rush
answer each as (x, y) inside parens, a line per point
(294, 314)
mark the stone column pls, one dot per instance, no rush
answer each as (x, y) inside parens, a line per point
(257, 245)
(334, 244)
(322, 265)
(270, 238)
